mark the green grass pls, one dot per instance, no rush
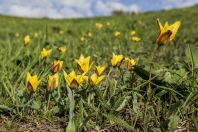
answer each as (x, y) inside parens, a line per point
(160, 94)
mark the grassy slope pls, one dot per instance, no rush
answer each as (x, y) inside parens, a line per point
(171, 59)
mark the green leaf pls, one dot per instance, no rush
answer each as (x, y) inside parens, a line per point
(119, 121)
(121, 103)
(172, 125)
(5, 108)
(36, 105)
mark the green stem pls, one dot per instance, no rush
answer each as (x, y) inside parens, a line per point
(48, 102)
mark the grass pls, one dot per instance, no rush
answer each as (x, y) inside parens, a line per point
(159, 94)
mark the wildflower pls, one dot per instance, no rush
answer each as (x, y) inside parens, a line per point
(95, 79)
(17, 35)
(73, 80)
(45, 53)
(133, 33)
(35, 34)
(167, 32)
(32, 82)
(62, 50)
(135, 39)
(89, 34)
(57, 66)
(82, 39)
(117, 60)
(61, 32)
(117, 34)
(53, 82)
(84, 63)
(130, 63)
(26, 40)
(108, 23)
(99, 25)
(99, 70)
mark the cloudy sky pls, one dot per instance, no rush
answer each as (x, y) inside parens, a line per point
(83, 8)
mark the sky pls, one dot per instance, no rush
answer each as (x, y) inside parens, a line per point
(84, 8)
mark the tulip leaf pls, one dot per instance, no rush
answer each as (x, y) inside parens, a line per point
(36, 105)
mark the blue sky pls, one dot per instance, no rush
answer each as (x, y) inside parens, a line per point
(84, 8)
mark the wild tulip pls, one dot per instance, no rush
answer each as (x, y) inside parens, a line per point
(32, 82)
(53, 81)
(167, 32)
(45, 53)
(117, 60)
(57, 66)
(99, 70)
(26, 40)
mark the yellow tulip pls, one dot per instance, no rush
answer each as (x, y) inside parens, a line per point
(73, 80)
(108, 23)
(82, 39)
(17, 35)
(61, 32)
(167, 32)
(62, 50)
(99, 25)
(89, 34)
(135, 39)
(133, 33)
(84, 63)
(45, 53)
(117, 60)
(117, 34)
(57, 66)
(35, 34)
(32, 82)
(53, 82)
(100, 70)
(95, 79)
(26, 40)
(130, 63)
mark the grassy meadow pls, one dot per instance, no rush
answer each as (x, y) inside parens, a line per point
(159, 92)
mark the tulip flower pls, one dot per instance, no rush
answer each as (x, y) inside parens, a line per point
(130, 63)
(167, 32)
(57, 66)
(26, 40)
(89, 34)
(133, 33)
(135, 39)
(82, 39)
(99, 70)
(53, 82)
(117, 60)
(84, 63)
(45, 53)
(35, 34)
(32, 82)
(73, 80)
(108, 23)
(17, 35)
(62, 50)
(99, 25)
(117, 34)
(61, 32)
(95, 79)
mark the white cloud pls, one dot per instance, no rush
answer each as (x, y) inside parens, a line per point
(107, 7)
(82, 8)
(47, 8)
(169, 4)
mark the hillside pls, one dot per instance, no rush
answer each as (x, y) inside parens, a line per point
(160, 92)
